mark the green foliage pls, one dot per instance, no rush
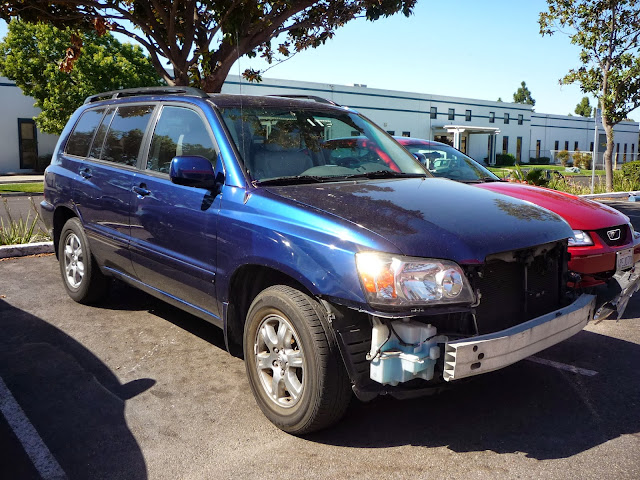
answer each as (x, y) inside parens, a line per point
(620, 184)
(582, 160)
(606, 31)
(201, 40)
(583, 108)
(505, 160)
(631, 171)
(540, 161)
(21, 230)
(31, 53)
(564, 157)
(537, 176)
(523, 95)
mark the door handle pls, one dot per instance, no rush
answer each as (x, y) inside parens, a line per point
(85, 172)
(141, 191)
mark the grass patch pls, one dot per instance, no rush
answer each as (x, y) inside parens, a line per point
(33, 187)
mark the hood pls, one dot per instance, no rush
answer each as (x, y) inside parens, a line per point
(580, 213)
(433, 217)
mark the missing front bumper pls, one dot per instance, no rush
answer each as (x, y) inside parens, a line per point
(485, 353)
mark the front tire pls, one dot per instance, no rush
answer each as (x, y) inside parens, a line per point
(82, 278)
(294, 370)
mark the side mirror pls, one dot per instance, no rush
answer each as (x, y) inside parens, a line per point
(192, 171)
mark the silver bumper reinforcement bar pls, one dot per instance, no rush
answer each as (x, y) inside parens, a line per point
(485, 353)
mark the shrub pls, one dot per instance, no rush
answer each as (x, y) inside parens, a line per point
(537, 176)
(540, 161)
(631, 171)
(564, 157)
(582, 160)
(505, 160)
(21, 230)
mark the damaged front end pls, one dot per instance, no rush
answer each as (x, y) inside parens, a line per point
(614, 297)
(518, 306)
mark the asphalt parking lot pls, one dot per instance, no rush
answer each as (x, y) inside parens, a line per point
(136, 389)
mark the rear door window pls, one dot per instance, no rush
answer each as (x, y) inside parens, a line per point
(124, 137)
(82, 135)
(179, 131)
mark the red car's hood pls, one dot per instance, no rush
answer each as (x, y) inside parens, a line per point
(580, 213)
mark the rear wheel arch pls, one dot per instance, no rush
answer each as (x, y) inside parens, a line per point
(60, 217)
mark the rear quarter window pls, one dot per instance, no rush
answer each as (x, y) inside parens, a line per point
(82, 134)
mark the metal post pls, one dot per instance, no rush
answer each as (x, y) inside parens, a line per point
(595, 152)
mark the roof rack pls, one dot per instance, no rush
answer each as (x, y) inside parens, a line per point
(308, 97)
(131, 92)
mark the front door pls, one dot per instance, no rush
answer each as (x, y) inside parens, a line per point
(28, 141)
(173, 227)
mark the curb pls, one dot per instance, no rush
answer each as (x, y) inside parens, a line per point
(21, 194)
(8, 251)
(596, 196)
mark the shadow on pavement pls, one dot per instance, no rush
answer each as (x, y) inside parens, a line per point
(535, 409)
(73, 400)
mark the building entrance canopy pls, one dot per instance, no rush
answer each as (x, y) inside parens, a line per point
(469, 130)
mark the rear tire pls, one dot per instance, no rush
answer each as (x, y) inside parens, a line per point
(295, 371)
(82, 278)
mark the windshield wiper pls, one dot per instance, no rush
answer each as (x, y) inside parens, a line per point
(385, 174)
(298, 179)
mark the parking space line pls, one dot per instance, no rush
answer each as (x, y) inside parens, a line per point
(563, 366)
(41, 457)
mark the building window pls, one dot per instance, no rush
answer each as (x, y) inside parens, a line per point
(518, 149)
(406, 134)
(467, 115)
(566, 144)
(538, 145)
(556, 146)
(591, 147)
(633, 148)
(624, 156)
(434, 112)
(492, 117)
(506, 118)
(520, 119)
(615, 160)
(452, 113)
(505, 145)
(391, 132)
(575, 146)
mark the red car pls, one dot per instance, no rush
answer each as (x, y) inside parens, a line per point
(604, 248)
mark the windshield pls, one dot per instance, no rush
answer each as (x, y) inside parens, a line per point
(446, 161)
(299, 145)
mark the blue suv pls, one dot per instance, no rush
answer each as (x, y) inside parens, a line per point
(334, 266)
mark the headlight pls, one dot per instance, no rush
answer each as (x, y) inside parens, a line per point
(394, 280)
(580, 239)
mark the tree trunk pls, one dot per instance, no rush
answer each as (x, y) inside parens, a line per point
(608, 164)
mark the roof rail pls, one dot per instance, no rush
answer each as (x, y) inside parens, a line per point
(308, 97)
(130, 92)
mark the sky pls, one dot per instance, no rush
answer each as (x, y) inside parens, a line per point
(467, 48)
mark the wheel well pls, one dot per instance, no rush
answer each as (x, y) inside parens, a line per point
(246, 283)
(60, 217)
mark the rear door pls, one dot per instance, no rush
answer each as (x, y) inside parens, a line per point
(173, 227)
(103, 194)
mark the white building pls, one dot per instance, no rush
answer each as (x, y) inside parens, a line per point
(21, 141)
(480, 124)
(477, 127)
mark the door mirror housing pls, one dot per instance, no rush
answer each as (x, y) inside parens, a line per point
(192, 171)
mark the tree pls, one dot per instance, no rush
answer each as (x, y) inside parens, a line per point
(583, 108)
(32, 55)
(608, 34)
(201, 39)
(523, 95)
